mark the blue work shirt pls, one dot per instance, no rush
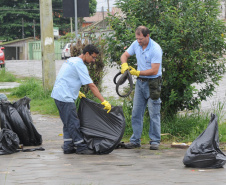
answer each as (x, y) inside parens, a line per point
(150, 55)
(72, 75)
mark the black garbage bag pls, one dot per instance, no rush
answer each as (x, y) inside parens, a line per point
(23, 108)
(16, 122)
(102, 131)
(204, 152)
(9, 142)
(3, 120)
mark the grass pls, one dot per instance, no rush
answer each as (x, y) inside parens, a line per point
(6, 76)
(181, 128)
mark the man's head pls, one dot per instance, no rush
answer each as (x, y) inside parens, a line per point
(142, 35)
(90, 52)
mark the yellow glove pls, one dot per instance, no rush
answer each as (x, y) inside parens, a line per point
(81, 95)
(124, 67)
(134, 71)
(107, 105)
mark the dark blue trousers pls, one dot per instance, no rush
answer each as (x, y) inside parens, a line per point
(71, 126)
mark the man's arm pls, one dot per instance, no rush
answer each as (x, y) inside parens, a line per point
(124, 57)
(95, 91)
(153, 71)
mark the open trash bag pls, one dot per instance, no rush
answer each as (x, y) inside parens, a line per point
(204, 151)
(102, 131)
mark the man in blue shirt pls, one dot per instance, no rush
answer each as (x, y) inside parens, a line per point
(148, 86)
(72, 75)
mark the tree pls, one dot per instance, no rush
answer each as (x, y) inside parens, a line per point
(192, 39)
(13, 13)
(19, 15)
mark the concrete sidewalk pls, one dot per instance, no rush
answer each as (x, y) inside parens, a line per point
(121, 167)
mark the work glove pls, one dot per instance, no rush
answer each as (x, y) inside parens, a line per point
(124, 67)
(133, 71)
(81, 95)
(107, 105)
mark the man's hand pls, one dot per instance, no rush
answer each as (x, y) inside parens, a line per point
(81, 95)
(107, 105)
(134, 71)
(124, 67)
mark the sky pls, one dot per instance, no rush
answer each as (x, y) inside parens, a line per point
(104, 3)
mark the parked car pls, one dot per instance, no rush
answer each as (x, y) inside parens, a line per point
(2, 57)
(66, 52)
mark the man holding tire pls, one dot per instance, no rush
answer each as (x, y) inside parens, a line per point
(148, 86)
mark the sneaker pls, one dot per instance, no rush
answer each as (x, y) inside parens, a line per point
(86, 152)
(71, 151)
(132, 145)
(68, 151)
(154, 147)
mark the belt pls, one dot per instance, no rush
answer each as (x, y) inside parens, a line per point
(147, 79)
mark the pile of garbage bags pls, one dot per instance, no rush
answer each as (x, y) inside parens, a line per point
(16, 117)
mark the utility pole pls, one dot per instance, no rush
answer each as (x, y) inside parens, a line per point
(22, 28)
(47, 43)
(76, 20)
(108, 6)
(103, 16)
(34, 28)
(71, 24)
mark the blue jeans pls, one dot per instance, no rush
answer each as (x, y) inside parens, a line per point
(71, 129)
(140, 101)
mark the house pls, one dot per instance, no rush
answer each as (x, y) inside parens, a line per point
(17, 49)
(98, 16)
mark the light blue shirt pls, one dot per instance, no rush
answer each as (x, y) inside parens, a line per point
(72, 75)
(150, 55)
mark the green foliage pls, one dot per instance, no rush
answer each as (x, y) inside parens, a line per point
(12, 12)
(181, 127)
(6, 76)
(32, 88)
(41, 100)
(192, 39)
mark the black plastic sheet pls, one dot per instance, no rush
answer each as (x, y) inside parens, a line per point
(9, 142)
(102, 131)
(204, 152)
(3, 120)
(17, 118)
(23, 108)
(16, 122)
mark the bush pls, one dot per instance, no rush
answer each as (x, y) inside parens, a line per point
(192, 39)
(96, 68)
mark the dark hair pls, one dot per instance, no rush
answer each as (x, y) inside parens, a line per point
(90, 49)
(142, 29)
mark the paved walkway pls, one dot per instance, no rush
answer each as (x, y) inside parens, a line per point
(8, 85)
(121, 167)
